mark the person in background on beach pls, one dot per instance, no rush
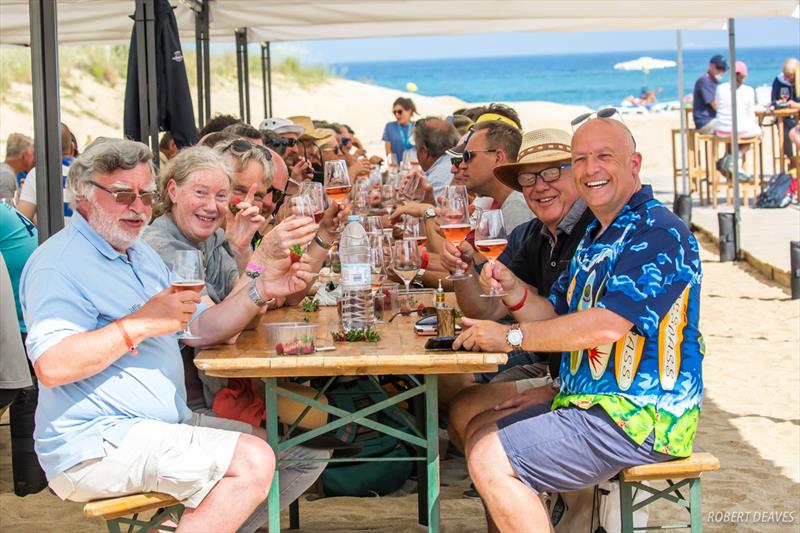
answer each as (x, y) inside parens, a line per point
(746, 120)
(27, 193)
(627, 311)
(397, 134)
(433, 137)
(101, 314)
(167, 149)
(538, 251)
(786, 93)
(20, 159)
(704, 104)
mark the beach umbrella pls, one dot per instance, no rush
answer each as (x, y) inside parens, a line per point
(645, 64)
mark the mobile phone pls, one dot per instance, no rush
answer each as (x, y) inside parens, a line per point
(441, 344)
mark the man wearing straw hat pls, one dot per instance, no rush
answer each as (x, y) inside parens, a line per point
(627, 311)
(537, 253)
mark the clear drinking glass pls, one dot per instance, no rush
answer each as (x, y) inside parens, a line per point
(336, 180)
(189, 275)
(406, 261)
(491, 240)
(314, 191)
(454, 220)
(414, 230)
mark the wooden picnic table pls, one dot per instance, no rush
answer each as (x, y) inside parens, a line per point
(400, 351)
(778, 128)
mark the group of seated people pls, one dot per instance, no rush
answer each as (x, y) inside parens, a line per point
(600, 312)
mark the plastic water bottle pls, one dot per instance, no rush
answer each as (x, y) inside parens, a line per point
(357, 303)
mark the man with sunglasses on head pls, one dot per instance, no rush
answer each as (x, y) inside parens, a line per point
(625, 313)
(101, 314)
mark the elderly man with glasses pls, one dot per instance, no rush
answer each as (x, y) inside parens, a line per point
(625, 313)
(101, 314)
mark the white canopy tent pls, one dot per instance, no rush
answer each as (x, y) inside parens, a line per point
(42, 24)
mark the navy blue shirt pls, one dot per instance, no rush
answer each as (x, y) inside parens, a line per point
(705, 88)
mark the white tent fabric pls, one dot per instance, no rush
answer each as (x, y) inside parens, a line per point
(107, 21)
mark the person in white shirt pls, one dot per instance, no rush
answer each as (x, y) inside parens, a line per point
(747, 123)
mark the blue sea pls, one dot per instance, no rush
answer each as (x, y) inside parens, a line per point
(588, 79)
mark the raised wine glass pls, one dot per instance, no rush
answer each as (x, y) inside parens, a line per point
(406, 260)
(316, 194)
(491, 240)
(454, 220)
(188, 275)
(336, 180)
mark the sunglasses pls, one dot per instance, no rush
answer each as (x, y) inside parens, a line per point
(128, 197)
(282, 143)
(242, 146)
(548, 175)
(277, 194)
(398, 111)
(469, 155)
(455, 161)
(606, 112)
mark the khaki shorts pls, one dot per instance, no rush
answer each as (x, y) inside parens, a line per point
(182, 460)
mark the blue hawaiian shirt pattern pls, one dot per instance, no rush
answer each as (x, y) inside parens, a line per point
(644, 267)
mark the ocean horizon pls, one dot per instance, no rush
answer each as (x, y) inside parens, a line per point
(584, 79)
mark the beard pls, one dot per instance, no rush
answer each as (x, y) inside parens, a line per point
(110, 229)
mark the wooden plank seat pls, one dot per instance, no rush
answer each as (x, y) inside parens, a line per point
(115, 510)
(677, 474)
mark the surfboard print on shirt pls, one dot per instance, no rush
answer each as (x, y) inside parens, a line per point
(670, 337)
(627, 354)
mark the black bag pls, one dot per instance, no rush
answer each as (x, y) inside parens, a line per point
(777, 193)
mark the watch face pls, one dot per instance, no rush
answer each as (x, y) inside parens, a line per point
(514, 337)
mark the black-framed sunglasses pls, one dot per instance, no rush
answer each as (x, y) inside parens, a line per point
(128, 197)
(469, 155)
(398, 111)
(242, 146)
(277, 194)
(548, 175)
(455, 161)
(282, 143)
(606, 112)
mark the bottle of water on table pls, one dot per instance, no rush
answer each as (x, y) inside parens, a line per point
(357, 303)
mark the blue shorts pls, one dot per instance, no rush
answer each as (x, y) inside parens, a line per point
(570, 448)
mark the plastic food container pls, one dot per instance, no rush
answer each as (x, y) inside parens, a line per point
(291, 338)
(415, 300)
(384, 299)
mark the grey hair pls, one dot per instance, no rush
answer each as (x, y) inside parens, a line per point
(435, 135)
(181, 167)
(17, 144)
(239, 160)
(104, 156)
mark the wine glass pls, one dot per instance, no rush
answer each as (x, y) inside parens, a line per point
(316, 195)
(406, 261)
(388, 196)
(784, 94)
(409, 187)
(303, 206)
(374, 225)
(491, 240)
(454, 219)
(409, 158)
(188, 275)
(336, 180)
(414, 230)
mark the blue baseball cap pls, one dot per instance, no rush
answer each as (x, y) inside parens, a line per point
(719, 62)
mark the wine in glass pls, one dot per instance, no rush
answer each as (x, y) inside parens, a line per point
(188, 275)
(406, 261)
(314, 191)
(336, 180)
(491, 240)
(454, 220)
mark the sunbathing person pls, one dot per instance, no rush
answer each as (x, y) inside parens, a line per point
(101, 315)
(626, 313)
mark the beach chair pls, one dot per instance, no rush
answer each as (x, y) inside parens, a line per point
(116, 511)
(677, 474)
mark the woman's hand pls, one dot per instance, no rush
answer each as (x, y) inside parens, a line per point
(460, 258)
(240, 228)
(292, 231)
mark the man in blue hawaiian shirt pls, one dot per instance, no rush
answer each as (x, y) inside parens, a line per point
(626, 313)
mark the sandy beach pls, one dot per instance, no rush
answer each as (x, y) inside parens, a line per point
(751, 410)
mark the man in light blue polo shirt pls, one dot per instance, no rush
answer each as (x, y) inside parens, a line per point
(101, 316)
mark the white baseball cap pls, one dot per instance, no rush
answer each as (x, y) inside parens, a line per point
(281, 125)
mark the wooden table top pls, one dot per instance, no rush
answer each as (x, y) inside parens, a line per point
(780, 112)
(400, 351)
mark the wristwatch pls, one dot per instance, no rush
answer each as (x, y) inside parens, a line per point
(417, 281)
(514, 337)
(255, 296)
(429, 213)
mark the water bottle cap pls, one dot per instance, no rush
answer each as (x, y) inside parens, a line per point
(353, 218)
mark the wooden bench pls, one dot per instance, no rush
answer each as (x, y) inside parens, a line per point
(677, 474)
(115, 511)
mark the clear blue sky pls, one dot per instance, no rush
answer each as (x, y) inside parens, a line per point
(749, 33)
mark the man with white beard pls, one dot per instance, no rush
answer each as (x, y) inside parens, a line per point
(102, 316)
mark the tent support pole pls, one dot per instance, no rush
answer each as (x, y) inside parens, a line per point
(266, 78)
(145, 44)
(46, 116)
(734, 136)
(201, 46)
(269, 78)
(243, 74)
(685, 178)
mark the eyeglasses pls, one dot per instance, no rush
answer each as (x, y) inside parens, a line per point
(345, 140)
(282, 143)
(242, 146)
(548, 175)
(398, 111)
(455, 161)
(128, 197)
(277, 194)
(469, 155)
(606, 112)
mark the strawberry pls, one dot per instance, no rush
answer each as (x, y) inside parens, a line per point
(405, 309)
(421, 308)
(279, 348)
(235, 199)
(295, 253)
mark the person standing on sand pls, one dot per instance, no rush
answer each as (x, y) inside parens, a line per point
(398, 134)
(626, 314)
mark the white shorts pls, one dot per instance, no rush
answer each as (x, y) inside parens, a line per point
(183, 460)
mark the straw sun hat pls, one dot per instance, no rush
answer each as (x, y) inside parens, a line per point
(546, 145)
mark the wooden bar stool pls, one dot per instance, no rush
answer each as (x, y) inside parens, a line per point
(115, 511)
(747, 188)
(677, 474)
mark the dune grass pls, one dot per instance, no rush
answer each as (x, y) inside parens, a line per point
(108, 66)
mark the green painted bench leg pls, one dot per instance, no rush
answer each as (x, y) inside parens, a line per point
(695, 510)
(432, 452)
(113, 526)
(271, 393)
(626, 506)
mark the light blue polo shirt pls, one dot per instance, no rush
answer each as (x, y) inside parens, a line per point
(76, 282)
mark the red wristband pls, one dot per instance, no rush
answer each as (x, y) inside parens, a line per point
(423, 263)
(513, 308)
(128, 341)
